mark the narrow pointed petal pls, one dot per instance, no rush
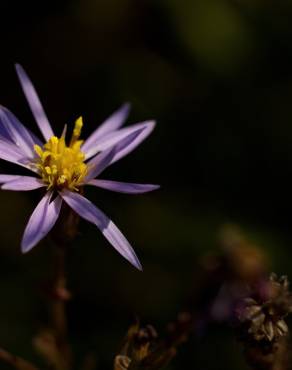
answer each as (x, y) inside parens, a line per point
(64, 132)
(99, 163)
(91, 213)
(10, 148)
(23, 183)
(3, 133)
(6, 136)
(34, 103)
(17, 132)
(6, 178)
(41, 221)
(35, 139)
(123, 187)
(11, 153)
(102, 160)
(112, 139)
(125, 147)
(114, 122)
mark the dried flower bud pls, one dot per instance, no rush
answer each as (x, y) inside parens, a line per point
(142, 350)
(122, 362)
(262, 317)
(145, 335)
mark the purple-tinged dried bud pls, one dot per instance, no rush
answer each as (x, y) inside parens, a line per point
(262, 316)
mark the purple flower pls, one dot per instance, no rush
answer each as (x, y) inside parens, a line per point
(64, 167)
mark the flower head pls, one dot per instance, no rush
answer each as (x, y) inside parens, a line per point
(63, 167)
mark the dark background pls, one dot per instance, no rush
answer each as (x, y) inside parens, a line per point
(217, 77)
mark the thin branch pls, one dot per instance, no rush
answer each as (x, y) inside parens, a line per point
(15, 361)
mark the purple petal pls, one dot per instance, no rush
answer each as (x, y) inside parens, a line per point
(41, 221)
(34, 103)
(99, 163)
(111, 124)
(6, 178)
(102, 160)
(127, 146)
(23, 183)
(127, 143)
(11, 153)
(112, 139)
(16, 132)
(123, 187)
(91, 213)
(35, 139)
(3, 133)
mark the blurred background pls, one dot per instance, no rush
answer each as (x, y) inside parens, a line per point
(217, 77)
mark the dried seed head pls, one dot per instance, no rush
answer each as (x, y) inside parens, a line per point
(262, 316)
(121, 362)
(145, 335)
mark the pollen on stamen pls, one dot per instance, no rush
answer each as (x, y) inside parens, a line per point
(62, 166)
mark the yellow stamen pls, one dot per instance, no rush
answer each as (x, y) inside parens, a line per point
(77, 130)
(62, 166)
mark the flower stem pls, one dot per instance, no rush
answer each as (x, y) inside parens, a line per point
(58, 305)
(62, 236)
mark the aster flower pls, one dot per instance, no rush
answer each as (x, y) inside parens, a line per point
(63, 168)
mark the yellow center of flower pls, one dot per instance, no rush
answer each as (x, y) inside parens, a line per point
(62, 166)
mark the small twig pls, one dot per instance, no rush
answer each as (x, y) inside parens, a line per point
(282, 358)
(58, 305)
(53, 343)
(15, 361)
